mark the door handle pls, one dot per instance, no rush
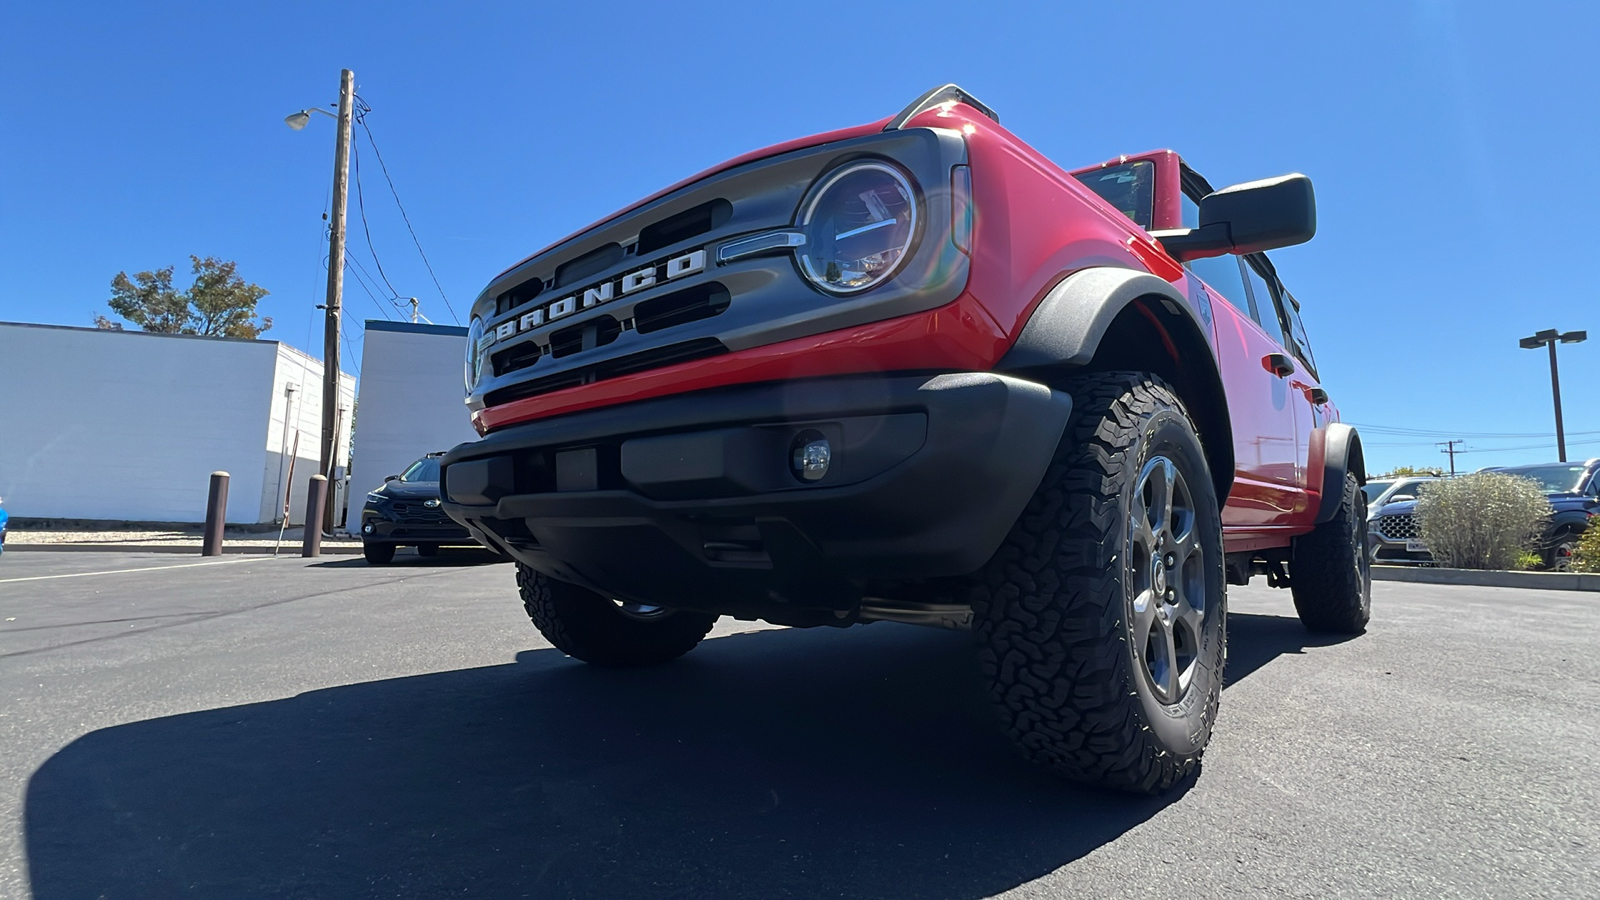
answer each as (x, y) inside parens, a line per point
(1317, 396)
(1278, 364)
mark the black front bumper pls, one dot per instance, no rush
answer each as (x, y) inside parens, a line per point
(690, 501)
(377, 528)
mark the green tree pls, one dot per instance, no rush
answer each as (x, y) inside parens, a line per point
(1410, 472)
(218, 302)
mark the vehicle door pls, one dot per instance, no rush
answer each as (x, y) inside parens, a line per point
(1306, 398)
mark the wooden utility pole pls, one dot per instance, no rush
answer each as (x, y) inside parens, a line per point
(1450, 448)
(330, 334)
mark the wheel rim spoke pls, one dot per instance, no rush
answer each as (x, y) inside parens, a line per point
(1167, 579)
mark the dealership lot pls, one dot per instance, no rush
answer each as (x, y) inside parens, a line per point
(260, 727)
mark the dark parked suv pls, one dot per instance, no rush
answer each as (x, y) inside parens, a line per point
(1573, 490)
(405, 512)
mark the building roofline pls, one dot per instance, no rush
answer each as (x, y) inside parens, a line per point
(415, 327)
(192, 337)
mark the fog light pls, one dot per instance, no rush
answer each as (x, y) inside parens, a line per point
(811, 456)
(367, 528)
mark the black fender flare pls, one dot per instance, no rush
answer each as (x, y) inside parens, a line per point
(1067, 325)
(1341, 455)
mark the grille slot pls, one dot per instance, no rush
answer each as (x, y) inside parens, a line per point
(680, 307)
(1399, 527)
(588, 265)
(683, 226)
(655, 358)
(518, 295)
(596, 332)
(521, 356)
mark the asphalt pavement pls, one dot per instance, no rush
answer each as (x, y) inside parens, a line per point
(251, 727)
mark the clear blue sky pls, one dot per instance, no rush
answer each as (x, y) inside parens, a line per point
(1452, 146)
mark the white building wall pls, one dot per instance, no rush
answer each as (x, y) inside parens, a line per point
(299, 411)
(125, 425)
(411, 400)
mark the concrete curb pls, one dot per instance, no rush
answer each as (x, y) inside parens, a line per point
(1545, 581)
(287, 549)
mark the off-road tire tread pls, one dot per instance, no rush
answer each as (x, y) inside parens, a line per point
(1327, 593)
(1049, 611)
(586, 626)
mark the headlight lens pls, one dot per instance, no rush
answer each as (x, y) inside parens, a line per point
(375, 497)
(474, 356)
(860, 222)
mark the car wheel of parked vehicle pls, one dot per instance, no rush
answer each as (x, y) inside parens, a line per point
(427, 549)
(378, 554)
(1101, 620)
(1331, 575)
(1559, 557)
(596, 629)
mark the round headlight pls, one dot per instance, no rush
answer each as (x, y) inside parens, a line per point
(474, 357)
(859, 223)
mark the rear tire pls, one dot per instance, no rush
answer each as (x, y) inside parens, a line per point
(596, 629)
(1331, 573)
(377, 554)
(1101, 621)
(1559, 557)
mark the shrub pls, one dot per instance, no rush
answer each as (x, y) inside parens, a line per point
(1528, 560)
(1586, 556)
(1482, 521)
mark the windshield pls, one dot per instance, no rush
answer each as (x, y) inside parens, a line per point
(425, 469)
(1373, 488)
(1554, 479)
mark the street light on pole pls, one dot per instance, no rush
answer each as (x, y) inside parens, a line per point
(1549, 338)
(330, 334)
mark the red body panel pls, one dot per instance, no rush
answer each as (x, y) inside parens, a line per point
(1034, 224)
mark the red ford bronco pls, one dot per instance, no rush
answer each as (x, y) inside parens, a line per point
(913, 371)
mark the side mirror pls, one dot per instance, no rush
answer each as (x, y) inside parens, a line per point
(1399, 498)
(1247, 218)
(389, 478)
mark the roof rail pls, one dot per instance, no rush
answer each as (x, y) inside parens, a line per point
(948, 93)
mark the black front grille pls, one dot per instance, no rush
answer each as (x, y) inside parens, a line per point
(1399, 527)
(655, 358)
(414, 513)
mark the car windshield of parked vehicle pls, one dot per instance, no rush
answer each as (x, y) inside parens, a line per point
(425, 469)
(1407, 488)
(1556, 479)
(1129, 187)
(1374, 489)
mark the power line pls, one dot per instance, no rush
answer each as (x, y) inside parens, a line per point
(361, 117)
(1423, 432)
(361, 205)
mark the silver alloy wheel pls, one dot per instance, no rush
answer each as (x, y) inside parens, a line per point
(1166, 579)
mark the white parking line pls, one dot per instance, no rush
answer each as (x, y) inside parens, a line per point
(222, 562)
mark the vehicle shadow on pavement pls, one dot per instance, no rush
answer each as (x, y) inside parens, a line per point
(447, 557)
(863, 763)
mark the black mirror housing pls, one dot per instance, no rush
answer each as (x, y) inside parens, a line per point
(1248, 218)
(389, 478)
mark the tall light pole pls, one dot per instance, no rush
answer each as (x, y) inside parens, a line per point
(330, 331)
(1548, 338)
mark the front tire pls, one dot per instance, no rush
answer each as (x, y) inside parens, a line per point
(427, 549)
(1101, 620)
(1331, 573)
(596, 629)
(377, 554)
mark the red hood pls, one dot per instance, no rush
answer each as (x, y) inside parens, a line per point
(825, 137)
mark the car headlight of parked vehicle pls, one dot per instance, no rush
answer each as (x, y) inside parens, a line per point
(859, 222)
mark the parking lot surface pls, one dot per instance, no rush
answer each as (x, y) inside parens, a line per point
(254, 727)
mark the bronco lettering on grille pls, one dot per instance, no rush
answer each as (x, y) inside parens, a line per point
(671, 269)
